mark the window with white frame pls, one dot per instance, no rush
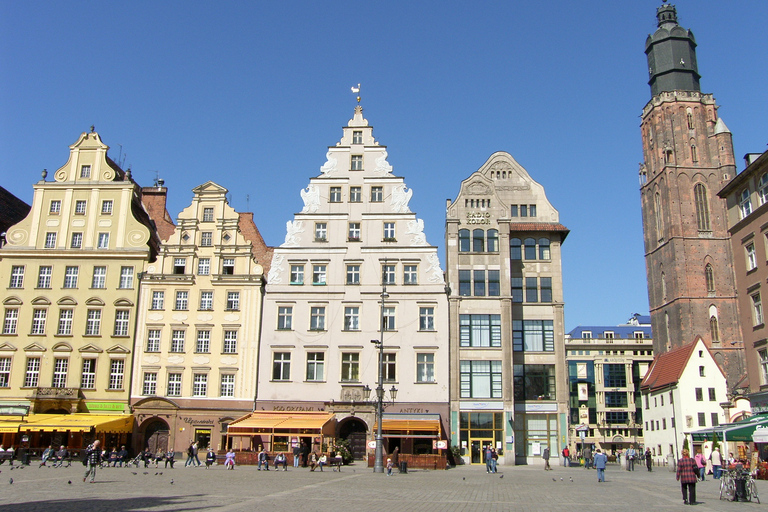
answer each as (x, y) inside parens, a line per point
(153, 340)
(106, 207)
(388, 274)
(174, 384)
(5, 372)
(389, 231)
(44, 277)
(353, 274)
(357, 137)
(297, 274)
(85, 171)
(757, 309)
(207, 214)
(350, 366)
(388, 318)
(228, 266)
(88, 376)
(103, 241)
(354, 232)
(281, 366)
(70, 277)
(126, 277)
(321, 231)
(763, 365)
(318, 274)
(762, 188)
(355, 194)
(121, 322)
(65, 322)
(182, 300)
(389, 367)
(17, 276)
(200, 384)
(425, 367)
(751, 256)
(203, 266)
(377, 194)
(32, 376)
(356, 163)
(227, 385)
(317, 318)
(77, 241)
(230, 342)
(410, 274)
(149, 387)
(158, 299)
(427, 318)
(335, 196)
(11, 321)
(233, 301)
(60, 366)
(284, 318)
(206, 301)
(55, 207)
(116, 371)
(80, 207)
(315, 366)
(38, 321)
(745, 203)
(180, 266)
(99, 277)
(50, 240)
(93, 322)
(206, 239)
(351, 318)
(177, 340)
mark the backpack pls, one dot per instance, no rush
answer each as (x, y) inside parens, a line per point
(85, 457)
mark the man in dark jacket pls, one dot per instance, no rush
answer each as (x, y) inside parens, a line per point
(93, 460)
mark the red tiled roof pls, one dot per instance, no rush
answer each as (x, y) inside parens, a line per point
(667, 368)
(537, 226)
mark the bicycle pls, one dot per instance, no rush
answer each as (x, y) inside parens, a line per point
(751, 490)
(727, 486)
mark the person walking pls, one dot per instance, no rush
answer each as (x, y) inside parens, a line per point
(686, 474)
(488, 457)
(190, 457)
(648, 458)
(304, 454)
(717, 463)
(631, 454)
(587, 457)
(545, 456)
(600, 461)
(566, 456)
(699, 459)
(195, 451)
(93, 460)
(494, 460)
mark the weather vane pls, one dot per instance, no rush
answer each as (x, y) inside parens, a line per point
(356, 90)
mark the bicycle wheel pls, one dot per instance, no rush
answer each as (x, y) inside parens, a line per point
(752, 491)
(727, 489)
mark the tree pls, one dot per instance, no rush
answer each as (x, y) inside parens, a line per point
(686, 445)
(715, 442)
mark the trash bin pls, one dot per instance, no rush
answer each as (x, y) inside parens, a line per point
(403, 466)
(25, 457)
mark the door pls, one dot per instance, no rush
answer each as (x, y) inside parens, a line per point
(203, 438)
(477, 448)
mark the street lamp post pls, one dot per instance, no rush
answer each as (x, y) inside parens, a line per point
(378, 465)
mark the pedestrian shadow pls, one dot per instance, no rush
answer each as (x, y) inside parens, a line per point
(188, 502)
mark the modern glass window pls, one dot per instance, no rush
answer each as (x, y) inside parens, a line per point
(318, 274)
(149, 386)
(206, 239)
(126, 277)
(106, 207)
(389, 367)
(615, 399)
(65, 322)
(544, 249)
(534, 381)
(203, 267)
(465, 283)
(356, 163)
(85, 171)
(80, 207)
(99, 277)
(200, 384)
(494, 285)
(533, 335)
(479, 279)
(751, 256)
(174, 384)
(515, 249)
(426, 318)
(389, 231)
(182, 300)
(284, 317)
(153, 340)
(177, 340)
(88, 375)
(44, 277)
(480, 379)
(207, 214)
(60, 366)
(353, 274)
(203, 343)
(5, 372)
(50, 240)
(77, 241)
(297, 274)
(230, 342)
(463, 240)
(357, 137)
(321, 231)
(614, 375)
(93, 323)
(158, 299)
(315, 366)
(103, 241)
(116, 371)
(388, 274)
(757, 309)
(350, 366)
(335, 195)
(377, 194)
(354, 231)
(10, 323)
(317, 318)
(32, 376)
(410, 274)
(38, 321)
(480, 330)
(55, 207)
(70, 277)
(228, 266)
(352, 318)
(531, 290)
(281, 366)
(206, 301)
(355, 194)
(425, 367)
(233, 301)
(478, 240)
(227, 385)
(546, 289)
(388, 317)
(121, 322)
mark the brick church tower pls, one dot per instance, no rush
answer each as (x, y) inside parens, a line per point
(688, 157)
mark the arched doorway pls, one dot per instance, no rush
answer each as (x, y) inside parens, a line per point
(156, 434)
(356, 432)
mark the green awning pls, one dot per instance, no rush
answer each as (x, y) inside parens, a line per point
(738, 431)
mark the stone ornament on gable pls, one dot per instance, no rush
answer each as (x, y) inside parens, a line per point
(400, 199)
(330, 164)
(292, 230)
(478, 188)
(382, 166)
(311, 198)
(276, 269)
(416, 228)
(434, 271)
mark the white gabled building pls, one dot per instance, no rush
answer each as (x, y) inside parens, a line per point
(323, 304)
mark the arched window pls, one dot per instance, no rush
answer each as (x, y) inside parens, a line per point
(544, 253)
(745, 205)
(690, 120)
(709, 276)
(714, 329)
(530, 248)
(493, 240)
(463, 240)
(478, 240)
(702, 206)
(657, 214)
(515, 249)
(663, 286)
(694, 153)
(762, 188)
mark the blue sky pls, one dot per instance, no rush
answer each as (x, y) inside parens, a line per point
(250, 94)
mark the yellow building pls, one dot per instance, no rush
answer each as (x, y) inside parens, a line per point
(199, 319)
(71, 270)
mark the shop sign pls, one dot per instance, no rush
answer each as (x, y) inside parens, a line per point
(482, 406)
(104, 406)
(478, 218)
(193, 421)
(540, 407)
(294, 408)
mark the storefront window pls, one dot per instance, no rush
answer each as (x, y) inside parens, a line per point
(479, 429)
(534, 432)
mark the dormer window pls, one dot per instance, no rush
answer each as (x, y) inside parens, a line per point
(85, 171)
(207, 214)
(357, 137)
(179, 265)
(608, 335)
(586, 335)
(356, 163)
